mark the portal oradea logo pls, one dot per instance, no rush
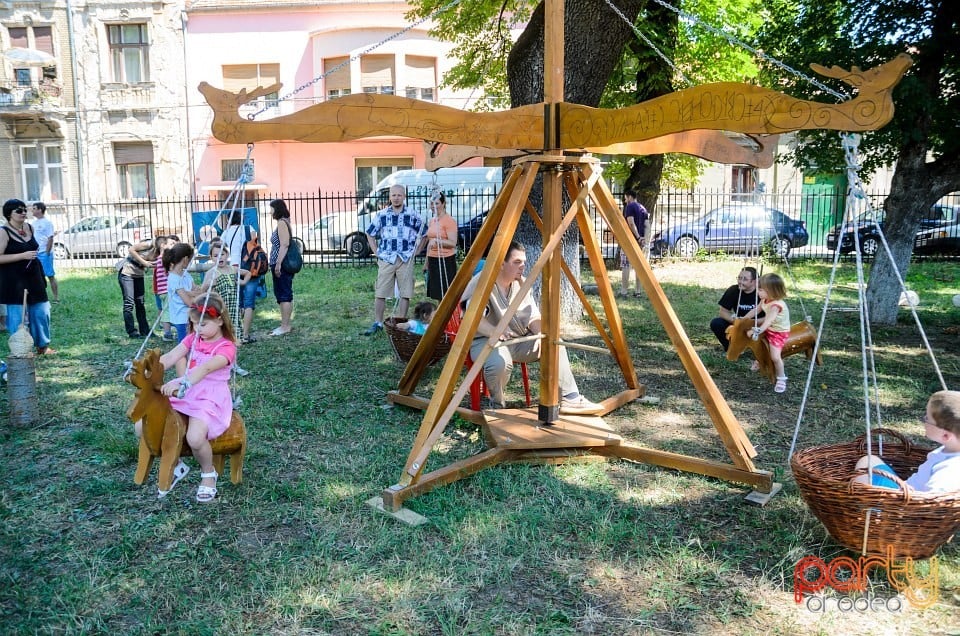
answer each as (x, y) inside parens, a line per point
(846, 575)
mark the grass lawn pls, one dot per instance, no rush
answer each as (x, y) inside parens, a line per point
(605, 548)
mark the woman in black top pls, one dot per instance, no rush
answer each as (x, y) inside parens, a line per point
(130, 276)
(20, 272)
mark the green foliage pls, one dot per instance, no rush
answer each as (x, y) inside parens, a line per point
(848, 33)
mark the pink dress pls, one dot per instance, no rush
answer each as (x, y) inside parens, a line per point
(209, 399)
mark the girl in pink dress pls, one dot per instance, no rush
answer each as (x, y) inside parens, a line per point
(206, 354)
(775, 325)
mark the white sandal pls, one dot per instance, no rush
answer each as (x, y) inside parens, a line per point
(206, 494)
(179, 472)
(781, 384)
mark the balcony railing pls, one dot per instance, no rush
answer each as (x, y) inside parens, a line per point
(17, 96)
(116, 95)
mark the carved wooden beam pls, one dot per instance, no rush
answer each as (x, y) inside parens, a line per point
(722, 106)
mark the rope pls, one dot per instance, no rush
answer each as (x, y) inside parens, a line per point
(357, 56)
(856, 195)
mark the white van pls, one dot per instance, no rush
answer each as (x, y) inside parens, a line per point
(469, 192)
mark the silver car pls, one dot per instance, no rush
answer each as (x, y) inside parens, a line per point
(98, 235)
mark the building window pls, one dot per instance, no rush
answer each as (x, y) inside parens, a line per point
(421, 77)
(41, 172)
(237, 77)
(742, 183)
(230, 169)
(371, 171)
(134, 170)
(129, 49)
(376, 74)
(336, 78)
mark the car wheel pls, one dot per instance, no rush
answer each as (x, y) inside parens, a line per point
(870, 246)
(687, 247)
(123, 249)
(780, 246)
(357, 246)
(60, 252)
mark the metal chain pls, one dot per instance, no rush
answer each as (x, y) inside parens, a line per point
(649, 43)
(357, 56)
(734, 40)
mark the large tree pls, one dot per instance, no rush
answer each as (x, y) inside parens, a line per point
(922, 139)
(606, 63)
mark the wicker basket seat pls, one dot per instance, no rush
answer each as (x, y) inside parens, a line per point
(405, 343)
(915, 525)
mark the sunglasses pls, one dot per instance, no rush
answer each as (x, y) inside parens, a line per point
(20, 211)
(208, 311)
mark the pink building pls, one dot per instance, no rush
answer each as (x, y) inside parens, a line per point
(242, 44)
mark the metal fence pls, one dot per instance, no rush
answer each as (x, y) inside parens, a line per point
(331, 224)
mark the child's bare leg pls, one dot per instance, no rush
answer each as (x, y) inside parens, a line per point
(197, 439)
(777, 359)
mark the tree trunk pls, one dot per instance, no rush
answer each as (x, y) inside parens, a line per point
(594, 37)
(916, 184)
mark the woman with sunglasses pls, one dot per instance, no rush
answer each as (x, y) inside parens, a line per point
(20, 272)
(202, 390)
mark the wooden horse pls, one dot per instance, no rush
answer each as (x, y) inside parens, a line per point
(803, 337)
(164, 430)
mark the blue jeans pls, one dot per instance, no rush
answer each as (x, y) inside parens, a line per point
(39, 316)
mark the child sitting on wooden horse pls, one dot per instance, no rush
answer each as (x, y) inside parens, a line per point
(207, 353)
(775, 325)
(941, 472)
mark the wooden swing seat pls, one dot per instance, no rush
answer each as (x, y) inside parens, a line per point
(914, 524)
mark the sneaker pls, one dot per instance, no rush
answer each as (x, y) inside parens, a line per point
(240, 371)
(486, 404)
(169, 337)
(579, 406)
(374, 328)
(46, 351)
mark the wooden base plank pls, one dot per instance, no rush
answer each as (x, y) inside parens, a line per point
(763, 498)
(395, 495)
(521, 429)
(421, 403)
(760, 479)
(557, 456)
(404, 515)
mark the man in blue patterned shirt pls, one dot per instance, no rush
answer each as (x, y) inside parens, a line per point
(396, 235)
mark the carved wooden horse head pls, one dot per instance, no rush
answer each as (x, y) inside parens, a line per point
(803, 337)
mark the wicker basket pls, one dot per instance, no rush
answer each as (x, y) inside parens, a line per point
(405, 343)
(915, 526)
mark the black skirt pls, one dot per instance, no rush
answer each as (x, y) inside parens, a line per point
(440, 273)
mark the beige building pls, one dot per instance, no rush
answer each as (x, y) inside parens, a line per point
(92, 102)
(38, 115)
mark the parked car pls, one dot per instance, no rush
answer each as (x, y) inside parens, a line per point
(733, 228)
(99, 235)
(467, 230)
(316, 236)
(939, 232)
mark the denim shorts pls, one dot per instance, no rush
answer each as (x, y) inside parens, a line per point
(248, 294)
